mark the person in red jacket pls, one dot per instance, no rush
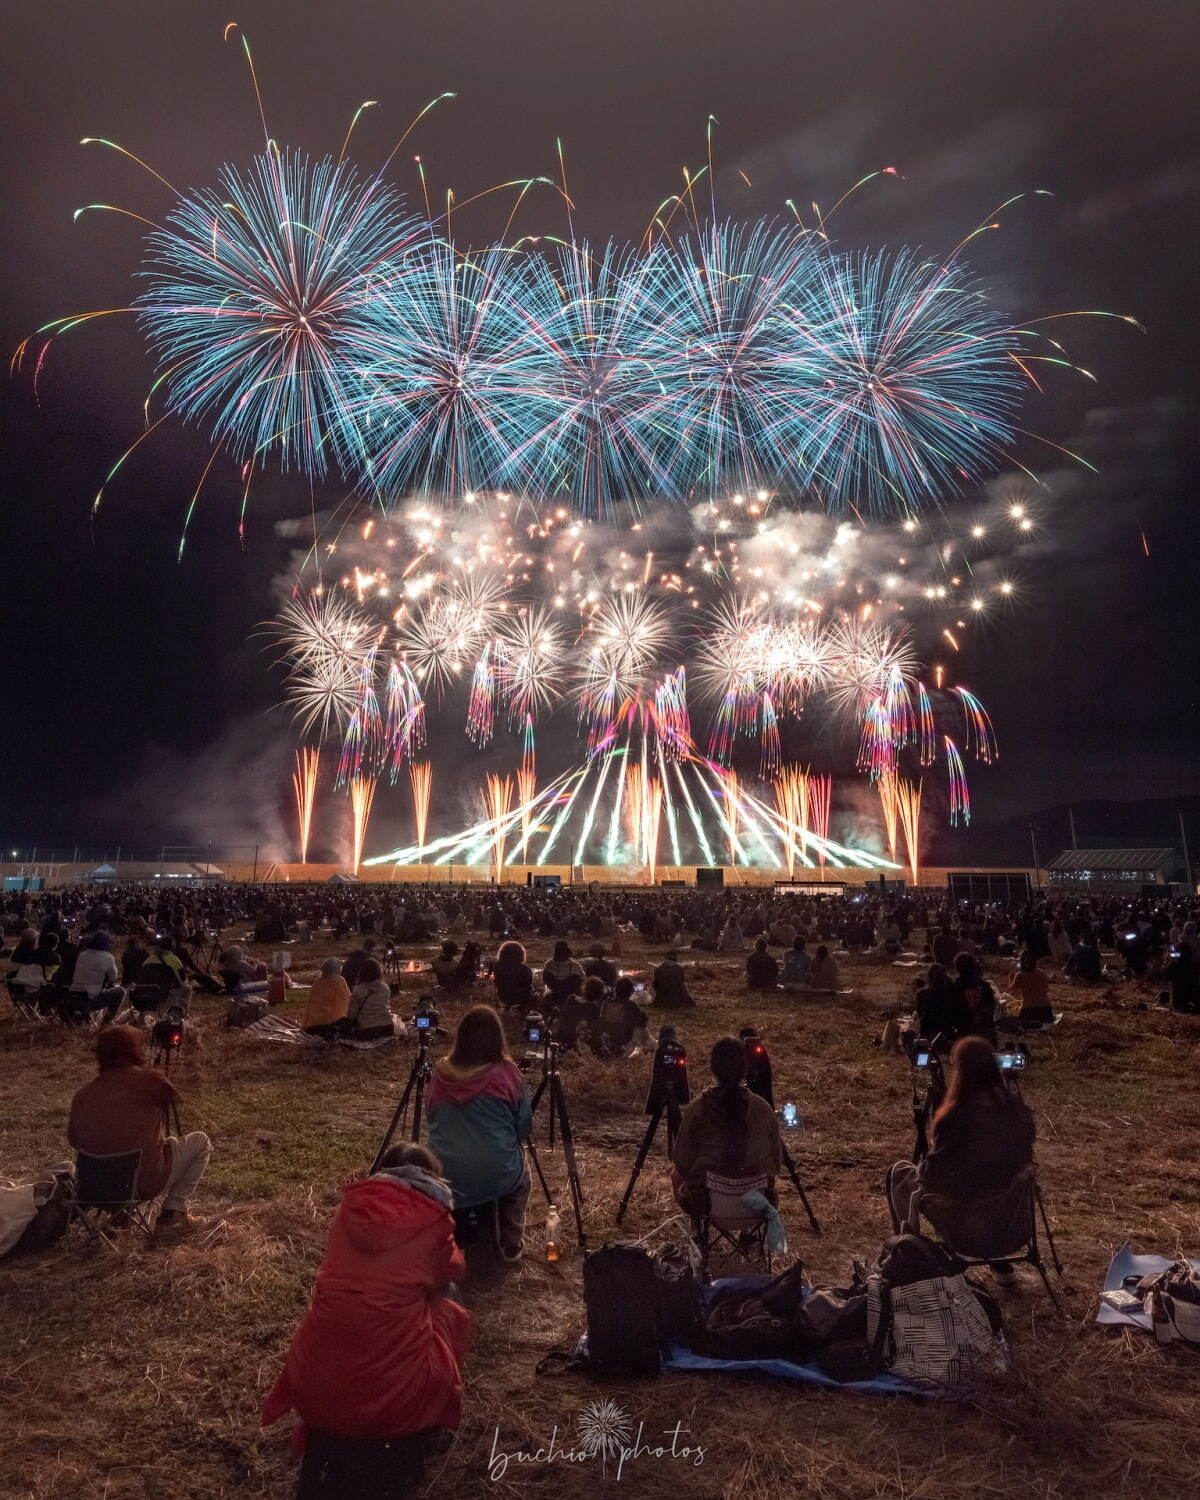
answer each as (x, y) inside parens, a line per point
(375, 1369)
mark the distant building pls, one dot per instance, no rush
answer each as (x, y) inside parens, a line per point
(1115, 869)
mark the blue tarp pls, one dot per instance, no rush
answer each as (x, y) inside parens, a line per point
(688, 1360)
(1126, 1263)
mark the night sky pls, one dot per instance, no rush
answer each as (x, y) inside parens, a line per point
(139, 703)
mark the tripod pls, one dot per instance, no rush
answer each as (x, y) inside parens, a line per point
(418, 1076)
(789, 1166)
(553, 1085)
(668, 1104)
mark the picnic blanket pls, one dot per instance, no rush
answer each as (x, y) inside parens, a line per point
(687, 1361)
(1126, 1264)
(279, 1029)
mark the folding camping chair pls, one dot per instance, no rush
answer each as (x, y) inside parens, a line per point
(730, 1225)
(26, 1003)
(999, 1227)
(105, 1188)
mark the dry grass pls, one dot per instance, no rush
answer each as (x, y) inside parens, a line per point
(139, 1375)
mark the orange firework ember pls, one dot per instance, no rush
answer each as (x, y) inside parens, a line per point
(908, 806)
(362, 794)
(421, 775)
(526, 791)
(304, 780)
(498, 797)
(652, 806)
(888, 788)
(733, 811)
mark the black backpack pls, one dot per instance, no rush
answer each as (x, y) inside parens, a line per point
(620, 1298)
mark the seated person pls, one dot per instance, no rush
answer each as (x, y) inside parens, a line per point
(379, 1354)
(352, 968)
(369, 1014)
(940, 1008)
(513, 978)
(1084, 963)
(670, 984)
(562, 976)
(727, 1130)
(622, 1021)
(163, 968)
(94, 983)
(731, 939)
(762, 970)
(797, 966)
(1183, 980)
(980, 1139)
(28, 974)
(976, 996)
(1031, 985)
(600, 967)
(327, 1003)
(242, 975)
(124, 1109)
(445, 964)
(579, 1013)
(132, 959)
(479, 1121)
(825, 974)
(466, 971)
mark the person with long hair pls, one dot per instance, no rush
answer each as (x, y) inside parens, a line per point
(479, 1121)
(981, 1138)
(513, 978)
(374, 1371)
(727, 1130)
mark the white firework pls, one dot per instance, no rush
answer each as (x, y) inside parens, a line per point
(327, 644)
(531, 660)
(869, 660)
(604, 1429)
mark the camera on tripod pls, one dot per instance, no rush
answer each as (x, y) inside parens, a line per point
(535, 1030)
(167, 1035)
(669, 1075)
(758, 1065)
(424, 1022)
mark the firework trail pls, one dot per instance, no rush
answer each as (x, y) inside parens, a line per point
(908, 808)
(768, 766)
(362, 794)
(481, 708)
(527, 783)
(653, 804)
(887, 785)
(960, 800)
(304, 781)
(420, 774)
(498, 799)
(820, 802)
(731, 787)
(978, 727)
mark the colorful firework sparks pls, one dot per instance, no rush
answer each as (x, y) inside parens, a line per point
(908, 808)
(362, 794)
(307, 316)
(960, 799)
(325, 642)
(421, 777)
(806, 628)
(304, 783)
(498, 793)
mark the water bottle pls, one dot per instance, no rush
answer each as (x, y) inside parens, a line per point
(552, 1227)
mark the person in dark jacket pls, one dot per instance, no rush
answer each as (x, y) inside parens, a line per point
(981, 1138)
(622, 1020)
(977, 998)
(562, 976)
(940, 1009)
(762, 969)
(513, 978)
(670, 984)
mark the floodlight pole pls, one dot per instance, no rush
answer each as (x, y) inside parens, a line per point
(1187, 858)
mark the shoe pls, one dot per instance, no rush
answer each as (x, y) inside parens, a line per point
(174, 1224)
(511, 1257)
(1005, 1274)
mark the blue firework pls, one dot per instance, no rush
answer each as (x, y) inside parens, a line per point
(256, 292)
(723, 348)
(911, 381)
(435, 387)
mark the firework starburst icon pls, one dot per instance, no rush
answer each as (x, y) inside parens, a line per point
(604, 1429)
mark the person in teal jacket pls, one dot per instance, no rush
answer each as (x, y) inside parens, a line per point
(479, 1121)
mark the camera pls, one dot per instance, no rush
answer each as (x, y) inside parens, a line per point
(425, 1020)
(669, 1076)
(534, 1029)
(1012, 1060)
(167, 1034)
(758, 1065)
(921, 1059)
(789, 1116)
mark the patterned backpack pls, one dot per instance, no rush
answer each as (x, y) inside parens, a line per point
(927, 1322)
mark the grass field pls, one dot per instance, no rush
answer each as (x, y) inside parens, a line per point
(139, 1374)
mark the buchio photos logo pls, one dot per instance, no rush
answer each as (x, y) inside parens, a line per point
(603, 1432)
